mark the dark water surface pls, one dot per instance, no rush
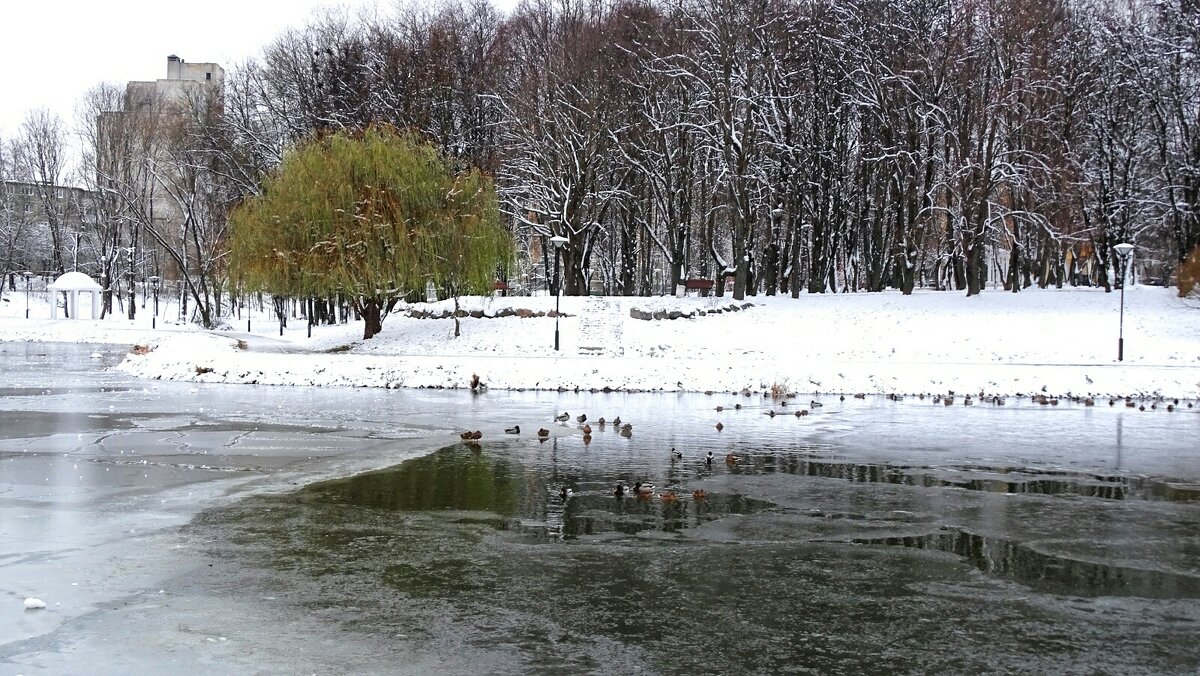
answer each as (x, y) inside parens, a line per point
(867, 537)
(171, 530)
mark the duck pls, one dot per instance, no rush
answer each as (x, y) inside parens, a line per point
(617, 421)
(627, 427)
(562, 418)
(587, 430)
(737, 407)
(720, 408)
(619, 491)
(771, 413)
(515, 429)
(699, 494)
(720, 427)
(565, 493)
(643, 490)
(581, 418)
(476, 435)
(676, 455)
(708, 459)
(543, 432)
(815, 404)
(601, 421)
(731, 459)
(466, 436)
(669, 497)
(801, 413)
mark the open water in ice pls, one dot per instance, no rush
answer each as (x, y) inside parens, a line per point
(870, 536)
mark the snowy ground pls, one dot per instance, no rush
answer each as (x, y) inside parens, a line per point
(1056, 341)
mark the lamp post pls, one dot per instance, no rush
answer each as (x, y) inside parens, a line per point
(28, 277)
(1123, 250)
(558, 241)
(154, 280)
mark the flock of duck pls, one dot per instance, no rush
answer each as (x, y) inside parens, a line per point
(640, 490)
(646, 491)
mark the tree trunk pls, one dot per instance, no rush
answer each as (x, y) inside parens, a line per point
(372, 322)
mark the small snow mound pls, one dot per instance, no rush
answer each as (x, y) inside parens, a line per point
(34, 604)
(97, 355)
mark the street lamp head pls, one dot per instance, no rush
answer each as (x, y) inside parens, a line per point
(27, 274)
(154, 280)
(558, 241)
(1123, 249)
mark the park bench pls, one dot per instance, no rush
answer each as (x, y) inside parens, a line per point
(704, 286)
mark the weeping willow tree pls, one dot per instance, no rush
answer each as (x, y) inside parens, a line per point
(372, 215)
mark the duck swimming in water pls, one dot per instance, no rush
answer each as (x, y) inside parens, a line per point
(515, 429)
(543, 433)
(708, 459)
(619, 492)
(676, 455)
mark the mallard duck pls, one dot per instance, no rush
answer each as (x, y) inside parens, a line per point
(565, 493)
(771, 413)
(699, 494)
(543, 432)
(563, 418)
(587, 430)
(619, 491)
(476, 435)
(676, 455)
(600, 422)
(582, 418)
(720, 408)
(643, 490)
(515, 429)
(669, 497)
(466, 436)
(815, 404)
(731, 459)
(617, 420)
(801, 413)
(720, 427)
(708, 459)
(627, 427)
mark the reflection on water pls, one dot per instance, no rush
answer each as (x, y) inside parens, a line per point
(463, 478)
(1059, 573)
(1012, 480)
(790, 561)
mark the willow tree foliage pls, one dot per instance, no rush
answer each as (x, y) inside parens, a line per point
(373, 216)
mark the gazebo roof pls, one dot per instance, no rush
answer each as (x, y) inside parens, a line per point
(74, 281)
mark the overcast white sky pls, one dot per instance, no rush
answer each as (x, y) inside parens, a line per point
(52, 51)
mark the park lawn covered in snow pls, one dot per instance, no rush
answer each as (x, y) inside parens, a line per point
(1057, 341)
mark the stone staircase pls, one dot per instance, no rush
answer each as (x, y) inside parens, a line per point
(600, 327)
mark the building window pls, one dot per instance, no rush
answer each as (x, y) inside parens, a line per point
(208, 76)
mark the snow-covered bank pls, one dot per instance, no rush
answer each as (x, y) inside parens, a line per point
(1058, 341)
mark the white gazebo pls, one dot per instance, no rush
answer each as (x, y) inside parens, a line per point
(73, 284)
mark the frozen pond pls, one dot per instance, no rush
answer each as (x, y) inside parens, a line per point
(220, 528)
